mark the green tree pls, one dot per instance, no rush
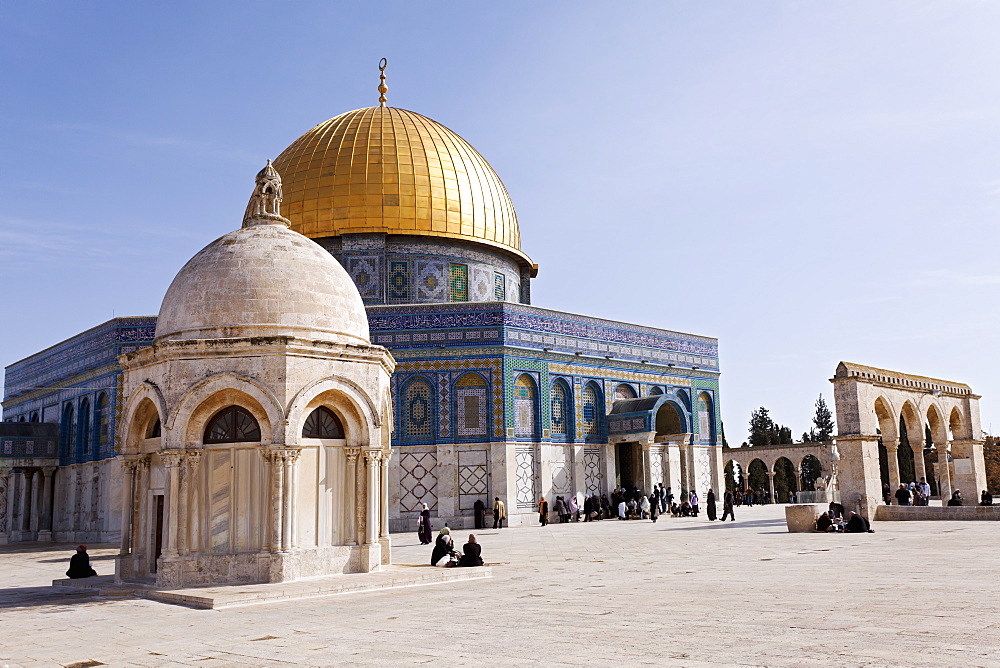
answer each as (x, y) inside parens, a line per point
(761, 427)
(822, 421)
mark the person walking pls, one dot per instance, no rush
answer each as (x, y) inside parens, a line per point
(693, 501)
(499, 513)
(727, 506)
(424, 525)
(543, 512)
(711, 510)
(574, 508)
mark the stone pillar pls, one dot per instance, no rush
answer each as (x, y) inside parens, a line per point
(919, 468)
(182, 505)
(770, 486)
(47, 481)
(36, 507)
(289, 455)
(277, 497)
(859, 475)
(193, 516)
(140, 513)
(172, 461)
(372, 459)
(383, 496)
(128, 505)
(943, 473)
(18, 526)
(892, 457)
(647, 467)
(351, 489)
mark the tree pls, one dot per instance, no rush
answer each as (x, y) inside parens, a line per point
(991, 453)
(765, 431)
(822, 421)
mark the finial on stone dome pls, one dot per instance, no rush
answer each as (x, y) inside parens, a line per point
(382, 88)
(265, 203)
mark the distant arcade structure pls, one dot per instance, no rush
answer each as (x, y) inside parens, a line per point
(904, 414)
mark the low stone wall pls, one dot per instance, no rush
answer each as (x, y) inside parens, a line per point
(801, 517)
(925, 513)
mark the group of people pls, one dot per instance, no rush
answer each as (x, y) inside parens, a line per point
(635, 505)
(753, 497)
(913, 494)
(833, 520)
(444, 548)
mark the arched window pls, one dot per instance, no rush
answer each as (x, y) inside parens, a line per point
(706, 419)
(472, 407)
(323, 423)
(592, 410)
(83, 431)
(656, 391)
(560, 409)
(233, 424)
(154, 429)
(67, 434)
(525, 407)
(417, 409)
(34, 417)
(102, 426)
(21, 419)
(624, 391)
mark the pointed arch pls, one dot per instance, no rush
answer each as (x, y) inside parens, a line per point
(102, 427)
(957, 424)
(561, 410)
(885, 415)
(323, 423)
(472, 409)
(417, 412)
(593, 410)
(525, 407)
(625, 391)
(706, 417)
(937, 424)
(67, 434)
(232, 424)
(83, 452)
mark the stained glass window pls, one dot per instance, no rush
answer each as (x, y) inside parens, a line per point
(525, 407)
(591, 411)
(560, 402)
(472, 406)
(233, 424)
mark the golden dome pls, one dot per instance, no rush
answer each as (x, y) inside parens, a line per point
(393, 171)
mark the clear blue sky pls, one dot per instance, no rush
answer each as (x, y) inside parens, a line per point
(807, 181)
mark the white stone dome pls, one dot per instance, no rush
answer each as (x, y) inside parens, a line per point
(263, 280)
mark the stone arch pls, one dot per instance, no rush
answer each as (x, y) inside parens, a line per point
(83, 436)
(958, 425)
(625, 391)
(812, 469)
(144, 407)
(203, 400)
(936, 423)
(352, 406)
(656, 390)
(911, 441)
(670, 419)
(757, 474)
(885, 416)
(735, 476)
(785, 479)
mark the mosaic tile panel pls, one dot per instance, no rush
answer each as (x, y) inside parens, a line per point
(703, 469)
(367, 275)
(417, 480)
(656, 465)
(444, 404)
(399, 281)
(431, 284)
(3, 504)
(458, 282)
(524, 477)
(592, 477)
(472, 408)
(473, 478)
(480, 283)
(417, 409)
(499, 287)
(591, 411)
(525, 407)
(559, 410)
(562, 473)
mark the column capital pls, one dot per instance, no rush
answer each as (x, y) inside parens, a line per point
(49, 470)
(771, 474)
(193, 459)
(352, 453)
(172, 458)
(282, 454)
(373, 456)
(386, 455)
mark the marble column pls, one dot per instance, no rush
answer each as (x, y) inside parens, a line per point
(48, 472)
(289, 455)
(919, 466)
(182, 504)
(22, 505)
(172, 461)
(140, 513)
(36, 506)
(770, 486)
(943, 473)
(128, 505)
(372, 460)
(384, 496)
(892, 456)
(277, 497)
(191, 541)
(351, 490)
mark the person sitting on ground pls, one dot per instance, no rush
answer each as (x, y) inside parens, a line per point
(471, 553)
(836, 510)
(685, 508)
(956, 498)
(985, 499)
(857, 524)
(444, 546)
(79, 564)
(824, 523)
(632, 509)
(644, 507)
(675, 510)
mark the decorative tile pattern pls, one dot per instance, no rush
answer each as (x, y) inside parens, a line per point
(562, 473)
(3, 504)
(480, 283)
(472, 407)
(525, 407)
(417, 480)
(499, 287)
(444, 404)
(431, 284)
(417, 409)
(524, 474)
(592, 470)
(473, 478)
(365, 270)
(559, 409)
(656, 465)
(625, 391)
(703, 469)
(399, 281)
(592, 411)
(458, 282)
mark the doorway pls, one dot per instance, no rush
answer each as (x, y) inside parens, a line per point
(628, 466)
(157, 530)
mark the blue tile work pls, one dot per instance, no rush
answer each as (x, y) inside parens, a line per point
(458, 282)
(472, 407)
(367, 274)
(399, 281)
(499, 287)
(77, 370)
(432, 281)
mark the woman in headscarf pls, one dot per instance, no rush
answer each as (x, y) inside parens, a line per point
(444, 546)
(644, 507)
(472, 553)
(543, 512)
(424, 525)
(710, 509)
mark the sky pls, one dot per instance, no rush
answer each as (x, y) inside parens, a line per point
(809, 182)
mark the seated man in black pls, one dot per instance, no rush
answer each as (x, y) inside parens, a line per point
(857, 524)
(471, 553)
(824, 523)
(79, 564)
(985, 499)
(956, 498)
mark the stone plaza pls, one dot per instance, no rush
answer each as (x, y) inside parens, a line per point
(684, 592)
